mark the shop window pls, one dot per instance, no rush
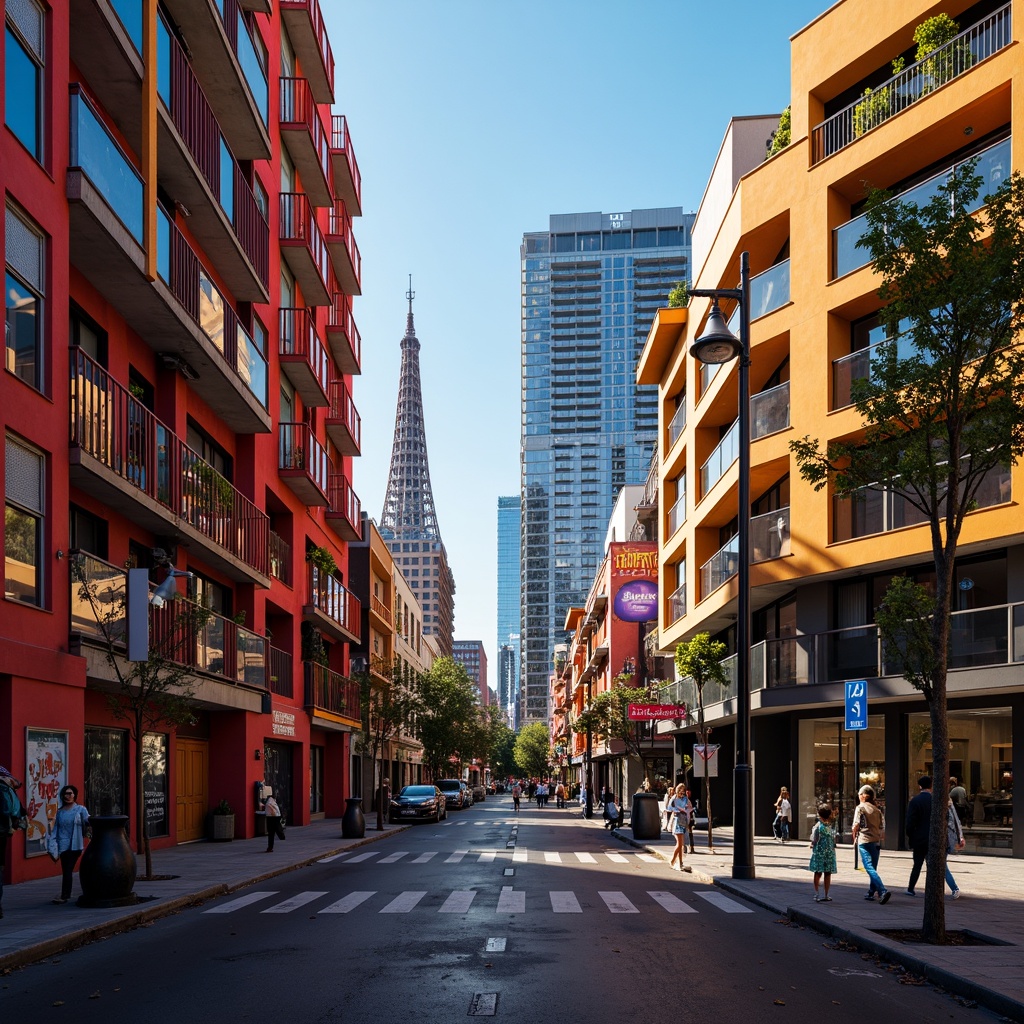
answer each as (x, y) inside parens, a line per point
(154, 784)
(106, 771)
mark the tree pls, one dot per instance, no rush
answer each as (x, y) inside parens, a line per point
(156, 692)
(943, 413)
(503, 763)
(701, 660)
(783, 134)
(533, 746)
(446, 717)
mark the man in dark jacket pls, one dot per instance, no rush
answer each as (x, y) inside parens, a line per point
(919, 814)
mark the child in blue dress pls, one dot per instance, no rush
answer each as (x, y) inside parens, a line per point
(823, 851)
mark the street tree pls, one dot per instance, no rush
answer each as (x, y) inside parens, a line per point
(700, 659)
(532, 749)
(503, 764)
(446, 717)
(943, 422)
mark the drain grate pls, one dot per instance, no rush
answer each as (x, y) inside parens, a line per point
(483, 1004)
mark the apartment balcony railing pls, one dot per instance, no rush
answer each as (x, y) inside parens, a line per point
(181, 631)
(304, 248)
(343, 336)
(343, 423)
(304, 135)
(348, 182)
(123, 454)
(858, 366)
(312, 45)
(769, 538)
(720, 567)
(303, 463)
(725, 454)
(993, 164)
(769, 411)
(677, 603)
(330, 692)
(678, 422)
(677, 514)
(381, 667)
(769, 290)
(280, 559)
(380, 609)
(304, 358)
(331, 605)
(348, 264)
(344, 509)
(279, 672)
(974, 44)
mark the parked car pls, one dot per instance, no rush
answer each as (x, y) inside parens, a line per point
(454, 792)
(479, 793)
(413, 803)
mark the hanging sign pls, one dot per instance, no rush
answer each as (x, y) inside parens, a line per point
(655, 712)
(705, 760)
(856, 705)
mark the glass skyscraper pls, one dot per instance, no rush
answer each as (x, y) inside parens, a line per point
(590, 286)
(509, 646)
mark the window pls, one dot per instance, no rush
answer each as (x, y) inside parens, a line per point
(23, 524)
(24, 294)
(23, 77)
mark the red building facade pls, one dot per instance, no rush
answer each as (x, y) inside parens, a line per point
(177, 395)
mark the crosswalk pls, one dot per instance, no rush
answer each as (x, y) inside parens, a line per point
(462, 901)
(518, 855)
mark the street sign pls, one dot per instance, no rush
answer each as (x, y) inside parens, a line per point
(856, 705)
(655, 712)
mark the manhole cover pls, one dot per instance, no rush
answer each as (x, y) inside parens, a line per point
(483, 1004)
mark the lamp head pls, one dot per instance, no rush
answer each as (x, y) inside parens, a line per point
(168, 588)
(717, 344)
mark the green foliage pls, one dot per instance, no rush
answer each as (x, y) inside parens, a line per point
(782, 136)
(502, 755)
(313, 648)
(223, 808)
(323, 560)
(679, 296)
(905, 621)
(607, 716)
(447, 721)
(872, 110)
(700, 659)
(532, 746)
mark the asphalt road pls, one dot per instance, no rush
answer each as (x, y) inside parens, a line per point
(542, 919)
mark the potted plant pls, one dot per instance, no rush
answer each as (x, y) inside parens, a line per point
(223, 823)
(322, 560)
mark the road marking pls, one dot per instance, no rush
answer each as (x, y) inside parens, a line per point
(392, 857)
(519, 856)
(565, 902)
(458, 902)
(495, 946)
(617, 858)
(359, 857)
(480, 823)
(673, 904)
(511, 901)
(617, 903)
(404, 903)
(553, 858)
(242, 901)
(336, 856)
(486, 856)
(723, 903)
(293, 903)
(649, 858)
(509, 871)
(347, 903)
(586, 858)
(423, 857)
(456, 857)
(846, 972)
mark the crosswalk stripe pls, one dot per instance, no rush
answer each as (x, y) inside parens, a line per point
(673, 904)
(511, 901)
(359, 857)
(617, 903)
(456, 857)
(404, 903)
(564, 902)
(333, 857)
(723, 902)
(649, 858)
(486, 856)
(423, 857)
(242, 901)
(553, 858)
(617, 858)
(347, 903)
(293, 903)
(586, 858)
(519, 856)
(391, 858)
(458, 902)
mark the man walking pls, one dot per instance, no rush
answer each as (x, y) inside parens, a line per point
(919, 813)
(869, 834)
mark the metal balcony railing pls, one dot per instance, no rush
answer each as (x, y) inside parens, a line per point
(280, 672)
(300, 449)
(329, 596)
(280, 559)
(330, 691)
(348, 179)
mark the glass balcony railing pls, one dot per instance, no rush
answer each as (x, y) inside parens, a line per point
(300, 449)
(677, 514)
(858, 366)
(724, 455)
(720, 567)
(769, 535)
(769, 411)
(769, 290)
(678, 422)
(677, 603)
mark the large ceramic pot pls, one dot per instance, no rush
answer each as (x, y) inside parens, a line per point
(108, 868)
(353, 824)
(645, 818)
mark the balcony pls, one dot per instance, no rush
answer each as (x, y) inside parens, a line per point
(227, 63)
(181, 631)
(344, 509)
(348, 182)
(343, 336)
(720, 567)
(769, 538)
(304, 248)
(331, 606)
(331, 696)
(677, 514)
(957, 57)
(725, 454)
(381, 667)
(858, 366)
(382, 612)
(280, 559)
(303, 463)
(304, 359)
(677, 603)
(279, 671)
(343, 424)
(993, 164)
(678, 422)
(133, 463)
(345, 256)
(305, 138)
(769, 411)
(308, 35)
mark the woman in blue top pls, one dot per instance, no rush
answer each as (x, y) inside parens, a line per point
(681, 807)
(69, 828)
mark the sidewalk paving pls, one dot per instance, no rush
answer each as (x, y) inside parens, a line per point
(33, 928)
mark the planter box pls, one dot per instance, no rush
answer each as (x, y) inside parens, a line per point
(223, 827)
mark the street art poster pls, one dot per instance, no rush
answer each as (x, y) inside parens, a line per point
(46, 773)
(634, 574)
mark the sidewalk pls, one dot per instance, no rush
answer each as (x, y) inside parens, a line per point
(990, 906)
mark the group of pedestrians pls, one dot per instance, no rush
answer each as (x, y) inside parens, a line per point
(540, 791)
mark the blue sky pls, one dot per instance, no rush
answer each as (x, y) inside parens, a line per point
(472, 121)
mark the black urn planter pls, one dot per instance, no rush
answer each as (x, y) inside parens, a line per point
(646, 816)
(108, 867)
(353, 824)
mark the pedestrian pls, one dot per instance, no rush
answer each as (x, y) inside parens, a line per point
(919, 813)
(681, 808)
(691, 820)
(958, 795)
(560, 794)
(603, 798)
(783, 810)
(611, 811)
(68, 831)
(517, 794)
(823, 851)
(11, 812)
(868, 834)
(583, 795)
(541, 794)
(275, 823)
(666, 811)
(955, 842)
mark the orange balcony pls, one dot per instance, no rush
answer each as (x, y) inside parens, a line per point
(381, 611)
(331, 606)
(345, 256)
(303, 356)
(348, 182)
(303, 463)
(330, 695)
(344, 509)
(343, 336)
(304, 248)
(305, 138)
(344, 426)
(312, 46)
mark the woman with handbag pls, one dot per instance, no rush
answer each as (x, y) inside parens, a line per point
(66, 838)
(955, 842)
(275, 823)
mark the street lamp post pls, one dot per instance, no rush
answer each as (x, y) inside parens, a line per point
(719, 345)
(588, 810)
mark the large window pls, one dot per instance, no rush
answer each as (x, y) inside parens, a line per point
(23, 289)
(23, 524)
(23, 73)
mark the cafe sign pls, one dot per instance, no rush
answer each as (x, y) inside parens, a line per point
(656, 712)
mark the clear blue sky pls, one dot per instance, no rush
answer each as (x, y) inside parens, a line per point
(472, 121)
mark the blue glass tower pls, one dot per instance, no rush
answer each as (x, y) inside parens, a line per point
(590, 286)
(509, 645)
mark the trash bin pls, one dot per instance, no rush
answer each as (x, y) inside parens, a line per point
(261, 823)
(646, 816)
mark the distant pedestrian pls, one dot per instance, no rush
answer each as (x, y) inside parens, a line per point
(603, 798)
(517, 795)
(823, 852)
(690, 820)
(560, 794)
(11, 812)
(666, 811)
(681, 807)
(868, 834)
(69, 830)
(541, 794)
(611, 811)
(919, 813)
(783, 811)
(275, 823)
(958, 795)
(955, 842)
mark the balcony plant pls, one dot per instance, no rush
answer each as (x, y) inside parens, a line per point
(322, 560)
(783, 134)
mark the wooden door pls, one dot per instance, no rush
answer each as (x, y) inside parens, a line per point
(191, 771)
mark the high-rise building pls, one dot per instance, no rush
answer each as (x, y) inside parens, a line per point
(409, 523)
(508, 645)
(590, 286)
(471, 655)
